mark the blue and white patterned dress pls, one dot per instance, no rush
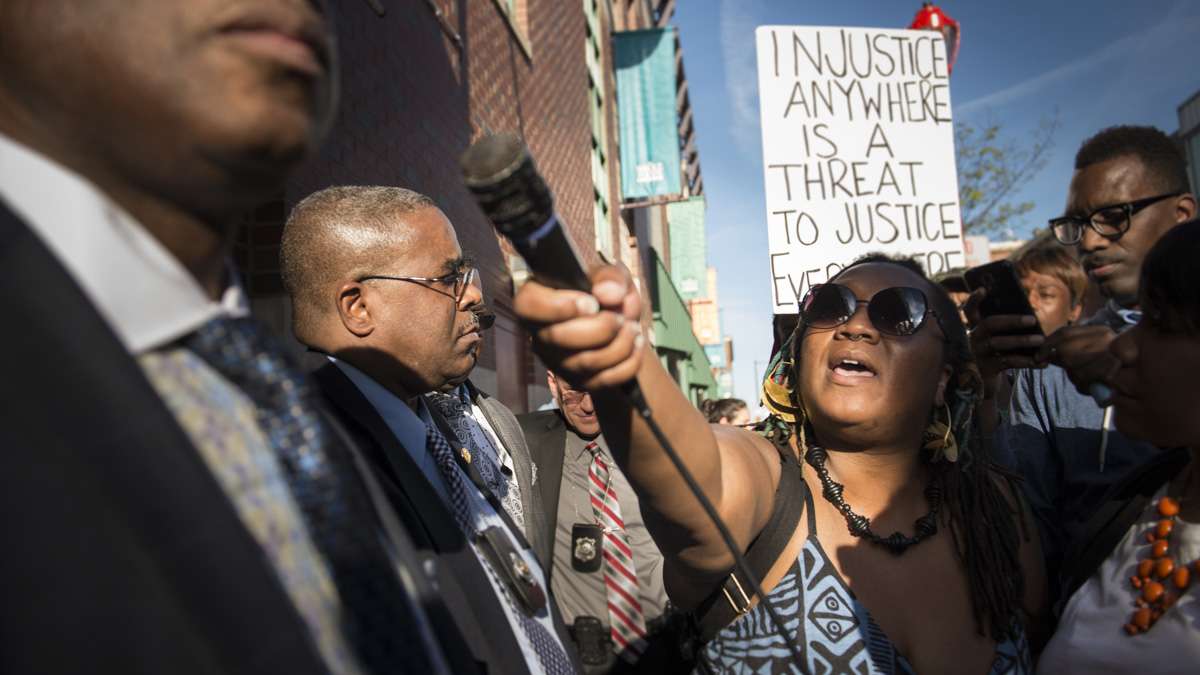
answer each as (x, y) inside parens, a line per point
(835, 632)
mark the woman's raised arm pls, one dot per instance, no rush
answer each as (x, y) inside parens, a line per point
(595, 342)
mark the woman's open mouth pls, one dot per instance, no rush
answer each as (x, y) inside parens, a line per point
(851, 369)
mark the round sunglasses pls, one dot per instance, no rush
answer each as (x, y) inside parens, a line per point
(899, 311)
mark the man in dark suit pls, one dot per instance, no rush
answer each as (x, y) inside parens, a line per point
(380, 285)
(490, 430)
(176, 501)
(600, 544)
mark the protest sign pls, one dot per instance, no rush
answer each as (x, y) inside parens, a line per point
(858, 152)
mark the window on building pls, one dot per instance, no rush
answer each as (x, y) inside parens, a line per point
(516, 15)
(597, 99)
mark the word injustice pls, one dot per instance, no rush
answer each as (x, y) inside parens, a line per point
(862, 55)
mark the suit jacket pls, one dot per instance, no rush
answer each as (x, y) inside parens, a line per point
(462, 580)
(546, 436)
(123, 553)
(505, 424)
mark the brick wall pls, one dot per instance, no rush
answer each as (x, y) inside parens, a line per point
(416, 90)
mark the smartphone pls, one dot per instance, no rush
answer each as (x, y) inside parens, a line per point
(1005, 295)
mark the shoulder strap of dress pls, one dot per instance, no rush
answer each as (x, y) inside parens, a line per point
(732, 598)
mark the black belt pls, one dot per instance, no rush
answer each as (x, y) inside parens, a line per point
(593, 639)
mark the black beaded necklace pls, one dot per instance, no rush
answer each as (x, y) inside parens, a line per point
(860, 525)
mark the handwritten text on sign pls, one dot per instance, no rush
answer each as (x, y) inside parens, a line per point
(858, 150)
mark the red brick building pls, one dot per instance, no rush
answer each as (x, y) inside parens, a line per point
(421, 80)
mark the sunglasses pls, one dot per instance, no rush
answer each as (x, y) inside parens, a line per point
(899, 311)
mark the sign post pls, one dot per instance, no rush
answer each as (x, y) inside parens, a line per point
(858, 152)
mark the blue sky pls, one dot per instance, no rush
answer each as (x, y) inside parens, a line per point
(1097, 63)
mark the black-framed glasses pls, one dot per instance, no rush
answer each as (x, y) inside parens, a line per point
(1110, 222)
(453, 285)
(898, 311)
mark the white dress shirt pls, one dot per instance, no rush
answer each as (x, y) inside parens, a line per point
(143, 292)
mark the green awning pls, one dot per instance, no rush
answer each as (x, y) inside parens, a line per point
(674, 339)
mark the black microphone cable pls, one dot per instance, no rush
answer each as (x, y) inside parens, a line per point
(500, 172)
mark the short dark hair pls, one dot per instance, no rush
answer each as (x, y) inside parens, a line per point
(1157, 152)
(1170, 283)
(338, 232)
(715, 409)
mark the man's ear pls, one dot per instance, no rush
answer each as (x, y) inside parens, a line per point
(1185, 208)
(553, 384)
(353, 311)
(940, 398)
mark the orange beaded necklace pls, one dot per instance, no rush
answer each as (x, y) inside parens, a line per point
(1157, 571)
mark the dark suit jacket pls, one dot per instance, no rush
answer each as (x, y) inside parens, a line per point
(505, 424)
(122, 553)
(462, 580)
(546, 436)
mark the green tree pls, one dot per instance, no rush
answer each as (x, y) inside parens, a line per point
(992, 167)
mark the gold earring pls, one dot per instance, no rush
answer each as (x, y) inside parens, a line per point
(939, 437)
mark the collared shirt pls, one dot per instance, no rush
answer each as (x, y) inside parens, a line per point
(409, 427)
(146, 296)
(584, 593)
(493, 461)
(150, 301)
(1116, 317)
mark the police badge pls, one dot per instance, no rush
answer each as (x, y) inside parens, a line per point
(586, 540)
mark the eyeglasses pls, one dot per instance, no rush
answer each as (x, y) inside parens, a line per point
(1110, 222)
(453, 285)
(899, 311)
(571, 396)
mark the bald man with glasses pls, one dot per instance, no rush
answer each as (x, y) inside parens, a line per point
(381, 287)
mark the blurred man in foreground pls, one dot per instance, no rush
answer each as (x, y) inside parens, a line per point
(178, 502)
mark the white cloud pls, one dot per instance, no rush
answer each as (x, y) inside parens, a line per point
(1174, 30)
(737, 23)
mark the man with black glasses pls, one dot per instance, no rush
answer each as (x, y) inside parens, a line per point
(1129, 188)
(380, 285)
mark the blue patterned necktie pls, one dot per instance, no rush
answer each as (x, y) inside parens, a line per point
(550, 654)
(381, 621)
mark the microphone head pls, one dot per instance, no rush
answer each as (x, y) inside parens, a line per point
(500, 172)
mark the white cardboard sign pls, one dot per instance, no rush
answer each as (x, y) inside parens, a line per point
(858, 152)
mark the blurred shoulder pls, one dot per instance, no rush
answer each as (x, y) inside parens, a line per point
(539, 421)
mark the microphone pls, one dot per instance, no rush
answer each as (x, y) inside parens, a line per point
(500, 172)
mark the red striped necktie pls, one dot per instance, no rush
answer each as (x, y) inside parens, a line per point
(627, 624)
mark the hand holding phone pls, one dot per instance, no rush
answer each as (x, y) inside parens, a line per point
(1005, 331)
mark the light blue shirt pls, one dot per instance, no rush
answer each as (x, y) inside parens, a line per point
(409, 427)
